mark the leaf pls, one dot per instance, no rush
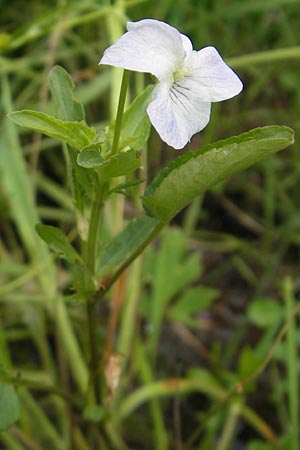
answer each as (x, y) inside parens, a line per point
(9, 404)
(62, 89)
(94, 413)
(194, 172)
(264, 312)
(249, 362)
(17, 184)
(122, 187)
(83, 281)
(76, 134)
(90, 157)
(82, 182)
(57, 241)
(124, 246)
(171, 270)
(261, 445)
(192, 302)
(117, 165)
(135, 122)
(211, 385)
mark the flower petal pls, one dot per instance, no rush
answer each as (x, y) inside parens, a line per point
(148, 46)
(187, 45)
(210, 76)
(177, 114)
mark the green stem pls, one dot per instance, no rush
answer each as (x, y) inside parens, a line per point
(94, 226)
(230, 426)
(132, 256)
(94, 357)
(120, 110)
(21, 381)
(269, 56)
(91, 252)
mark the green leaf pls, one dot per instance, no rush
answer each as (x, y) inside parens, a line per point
(264, 312)
(192, 302)
(83, 281)
(171, 270)
(76, 134)
(9, 404)
(82, 182)
(57, 241)
(94, 413)
(90, 157)
(17, 185)
(208, 380)
(62, 89)
(248, 363)
(126, 244)
(122, 187)
(117, 165)
(135, 122)
(261, 445)
(194, 172)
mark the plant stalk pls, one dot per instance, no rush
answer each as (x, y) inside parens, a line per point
(120, 110)
(91, 252)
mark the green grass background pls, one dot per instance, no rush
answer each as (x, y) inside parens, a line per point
(234, 278)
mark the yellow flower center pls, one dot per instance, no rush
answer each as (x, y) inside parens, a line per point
(179, 73)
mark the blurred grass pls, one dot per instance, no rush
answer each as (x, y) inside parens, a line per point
(247, 232)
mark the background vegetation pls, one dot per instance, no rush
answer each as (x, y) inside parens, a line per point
(210, 304)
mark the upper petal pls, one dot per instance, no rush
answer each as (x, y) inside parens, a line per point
(148, 46)
(177, 114)
(210, 76)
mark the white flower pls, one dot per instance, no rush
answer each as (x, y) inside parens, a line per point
(189, 80)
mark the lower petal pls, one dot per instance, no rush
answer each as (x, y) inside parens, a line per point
(176, 116)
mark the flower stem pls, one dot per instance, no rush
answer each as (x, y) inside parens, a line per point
(121, 104)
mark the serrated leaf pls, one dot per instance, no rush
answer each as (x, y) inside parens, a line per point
(124, 246)
(62, 89)
(135, 122)
(57, 242)
(194, 172)
(76, 134)
(9, 404)
(117, 165)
